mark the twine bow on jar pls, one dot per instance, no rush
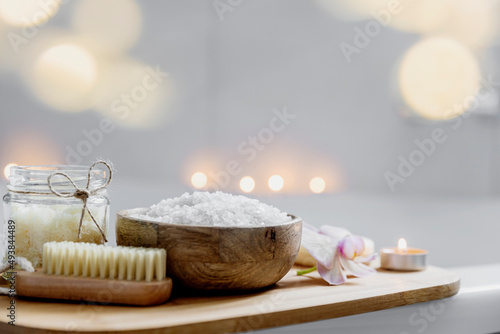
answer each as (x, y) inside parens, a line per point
(83, 193)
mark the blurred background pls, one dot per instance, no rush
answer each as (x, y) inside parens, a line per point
(380, 115)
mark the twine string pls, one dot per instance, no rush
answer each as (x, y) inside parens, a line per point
(83, 193)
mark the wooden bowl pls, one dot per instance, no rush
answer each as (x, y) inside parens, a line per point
(216, 257)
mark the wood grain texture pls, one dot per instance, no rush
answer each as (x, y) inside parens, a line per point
(104, 291)
(293, 300)
(212, 257)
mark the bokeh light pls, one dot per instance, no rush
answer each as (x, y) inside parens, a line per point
(133, 94)
(351, 10)
(6, 170)
(63, 77)
(421, 16)
(437, 76)
(27, 12)
(199, 180)
(276, 182)
(317, 185)
(209, 160)
(247, 184)
(281, 158)
(472, 22)
(30, 147)
(112, 26)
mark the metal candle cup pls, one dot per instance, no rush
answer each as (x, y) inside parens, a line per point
(403, 258)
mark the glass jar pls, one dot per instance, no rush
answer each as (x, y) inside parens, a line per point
(40, 216)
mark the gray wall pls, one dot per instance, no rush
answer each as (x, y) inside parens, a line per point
(226, 78)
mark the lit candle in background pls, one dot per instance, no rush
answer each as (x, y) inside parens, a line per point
(276, 182)
(199, 180)
(403, 258)
(317, 185)
(247, 184)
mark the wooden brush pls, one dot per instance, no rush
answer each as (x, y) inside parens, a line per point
(98, 273)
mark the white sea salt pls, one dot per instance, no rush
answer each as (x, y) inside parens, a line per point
(214, 209)
(37, 224)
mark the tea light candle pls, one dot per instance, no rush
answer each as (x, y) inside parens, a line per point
(403, 258)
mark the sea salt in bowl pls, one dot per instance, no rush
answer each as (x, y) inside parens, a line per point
(238, 257)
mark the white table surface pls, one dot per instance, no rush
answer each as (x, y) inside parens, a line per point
(460, 233)
(474, 310)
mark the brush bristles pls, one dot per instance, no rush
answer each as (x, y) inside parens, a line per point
(105, 262)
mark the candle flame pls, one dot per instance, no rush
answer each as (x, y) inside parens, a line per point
(402, 244)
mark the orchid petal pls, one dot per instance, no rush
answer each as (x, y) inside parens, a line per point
(335, 275)
(337, 252)
(347, 248)
(334, 232)
(323, 248)
(365, 259)
(356, 269)
(304, 258)
(369, 246)
(359, 245)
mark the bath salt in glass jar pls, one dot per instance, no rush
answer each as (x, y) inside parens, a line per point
(43, 211)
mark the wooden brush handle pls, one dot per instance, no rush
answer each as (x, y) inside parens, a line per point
(104, 291)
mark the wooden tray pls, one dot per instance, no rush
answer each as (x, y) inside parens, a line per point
(295, 299)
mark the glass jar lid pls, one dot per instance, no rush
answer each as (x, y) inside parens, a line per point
(35, 178)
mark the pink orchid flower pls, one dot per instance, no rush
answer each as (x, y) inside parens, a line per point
(337, 252)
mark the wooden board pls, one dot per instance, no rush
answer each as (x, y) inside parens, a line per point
(295, 299)
(40, 285)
